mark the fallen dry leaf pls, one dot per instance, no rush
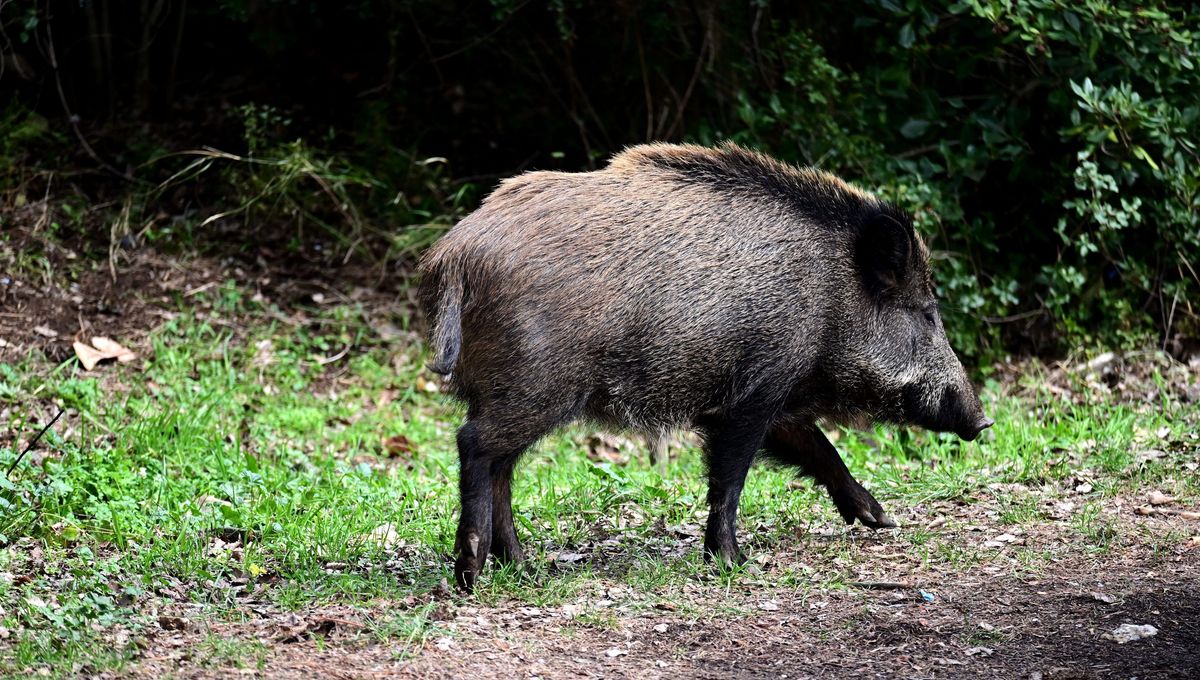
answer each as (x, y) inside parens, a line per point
(262, 353)
(87, 356)
(1159, 498)
(113, 349)
(45, 331)
(1148, 455)
(102, 348)
(1129, 632)
(386, 397)
(397, 446)
(605, 448)
(1001, 540)
(291, 629)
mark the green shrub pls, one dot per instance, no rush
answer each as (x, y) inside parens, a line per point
(1047, 149)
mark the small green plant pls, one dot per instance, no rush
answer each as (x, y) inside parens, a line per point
(1098, 529)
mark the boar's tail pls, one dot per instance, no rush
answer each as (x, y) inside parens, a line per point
(447, 332)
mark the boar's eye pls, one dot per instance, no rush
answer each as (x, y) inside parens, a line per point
(930, 318)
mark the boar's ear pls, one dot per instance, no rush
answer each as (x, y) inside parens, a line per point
(882, 250)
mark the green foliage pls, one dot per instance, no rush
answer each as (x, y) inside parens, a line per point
(24, 135)
(311, 192)
(1047, 150)
(19, 130)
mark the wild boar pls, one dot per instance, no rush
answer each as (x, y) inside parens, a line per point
(681, 286)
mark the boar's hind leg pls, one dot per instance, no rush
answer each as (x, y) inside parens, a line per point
(730, 447)
(806, 447)
(487, 451)
(474, 536)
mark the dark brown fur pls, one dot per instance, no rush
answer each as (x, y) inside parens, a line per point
(714, 289)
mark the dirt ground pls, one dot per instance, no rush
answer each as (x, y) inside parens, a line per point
(142, 287)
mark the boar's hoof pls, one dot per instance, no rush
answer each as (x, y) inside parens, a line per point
(470, 561)
(725, 559)
(856, 503)
(883, 521)
(465, 572)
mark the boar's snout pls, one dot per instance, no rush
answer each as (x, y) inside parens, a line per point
(956, 410)
(963, 408)
(980, 425)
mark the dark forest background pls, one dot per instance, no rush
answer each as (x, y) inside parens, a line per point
(1048, 150)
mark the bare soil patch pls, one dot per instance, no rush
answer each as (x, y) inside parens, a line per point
(55, 293)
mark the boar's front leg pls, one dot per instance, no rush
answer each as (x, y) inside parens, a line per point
(807, 447)
(730, 447)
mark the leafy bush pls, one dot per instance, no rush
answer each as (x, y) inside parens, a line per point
(1047, 149)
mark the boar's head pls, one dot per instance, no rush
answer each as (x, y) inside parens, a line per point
(901, 356)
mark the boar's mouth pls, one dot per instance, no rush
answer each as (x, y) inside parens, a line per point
(972, 432)
(952, 412)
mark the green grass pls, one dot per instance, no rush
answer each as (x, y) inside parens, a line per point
(229, 429)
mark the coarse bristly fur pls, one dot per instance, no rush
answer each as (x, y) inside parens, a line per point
(683, 286)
